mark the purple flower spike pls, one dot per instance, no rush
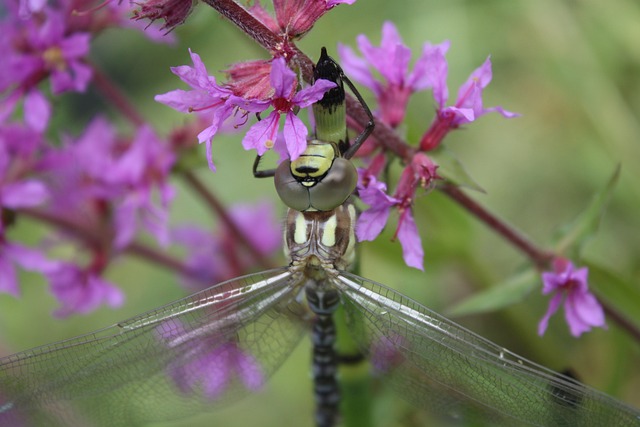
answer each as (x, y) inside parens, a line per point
(568, 284)
(391, 60)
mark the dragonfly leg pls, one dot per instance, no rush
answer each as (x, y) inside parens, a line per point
(261, 174)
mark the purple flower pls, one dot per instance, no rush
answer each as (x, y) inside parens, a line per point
(37, 49)
(420, 173)
(144, 167)
(206, 95)
(209, 365)
(81, 290)
(468, 106)
(84, 164)
(569, 285)
(391, 60)
(59, 54)
(262, 135)
(114, 181)
(372, 221)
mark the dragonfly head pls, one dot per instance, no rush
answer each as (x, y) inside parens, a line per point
(319, 180)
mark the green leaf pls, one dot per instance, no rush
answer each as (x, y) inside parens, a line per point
(451, 169)
(617, 292)
(574, 235)
(507, 293)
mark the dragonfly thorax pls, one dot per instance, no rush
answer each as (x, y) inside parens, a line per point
(321, 241)
(319, 180)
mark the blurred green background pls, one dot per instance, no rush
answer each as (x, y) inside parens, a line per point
(571, 68)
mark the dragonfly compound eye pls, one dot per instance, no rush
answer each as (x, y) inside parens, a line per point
(323, 193)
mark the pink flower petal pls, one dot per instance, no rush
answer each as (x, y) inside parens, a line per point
(295, 135)
(262, 135)
(554, 304)
(409, 237)
(357, 69)
(282, 78)
(37, 110)
(371, 222)
(23, 194)
(312, 94)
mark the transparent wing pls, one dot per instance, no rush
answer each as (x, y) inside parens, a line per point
(201, 351)
(437, 364)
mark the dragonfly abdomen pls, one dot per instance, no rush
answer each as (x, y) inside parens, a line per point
(324, 302)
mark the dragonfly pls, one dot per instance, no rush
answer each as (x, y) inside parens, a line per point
(216, 346)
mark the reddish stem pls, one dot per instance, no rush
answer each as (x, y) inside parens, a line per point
(622, 321)
(539, 257)
(247, 23)
(90, 236)
(162, 258)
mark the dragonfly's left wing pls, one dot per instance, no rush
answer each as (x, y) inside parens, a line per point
(191, 355)
(437, 364)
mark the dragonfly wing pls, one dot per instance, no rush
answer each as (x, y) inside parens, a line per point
(439, 365)
(197, 353)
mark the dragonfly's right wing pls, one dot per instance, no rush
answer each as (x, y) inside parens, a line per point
(440, 365)
(188, 356)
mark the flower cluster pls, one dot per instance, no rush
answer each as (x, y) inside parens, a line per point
(569, 284)
(392, 93)
(220, 102)
(99, 187)
(100, 190)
